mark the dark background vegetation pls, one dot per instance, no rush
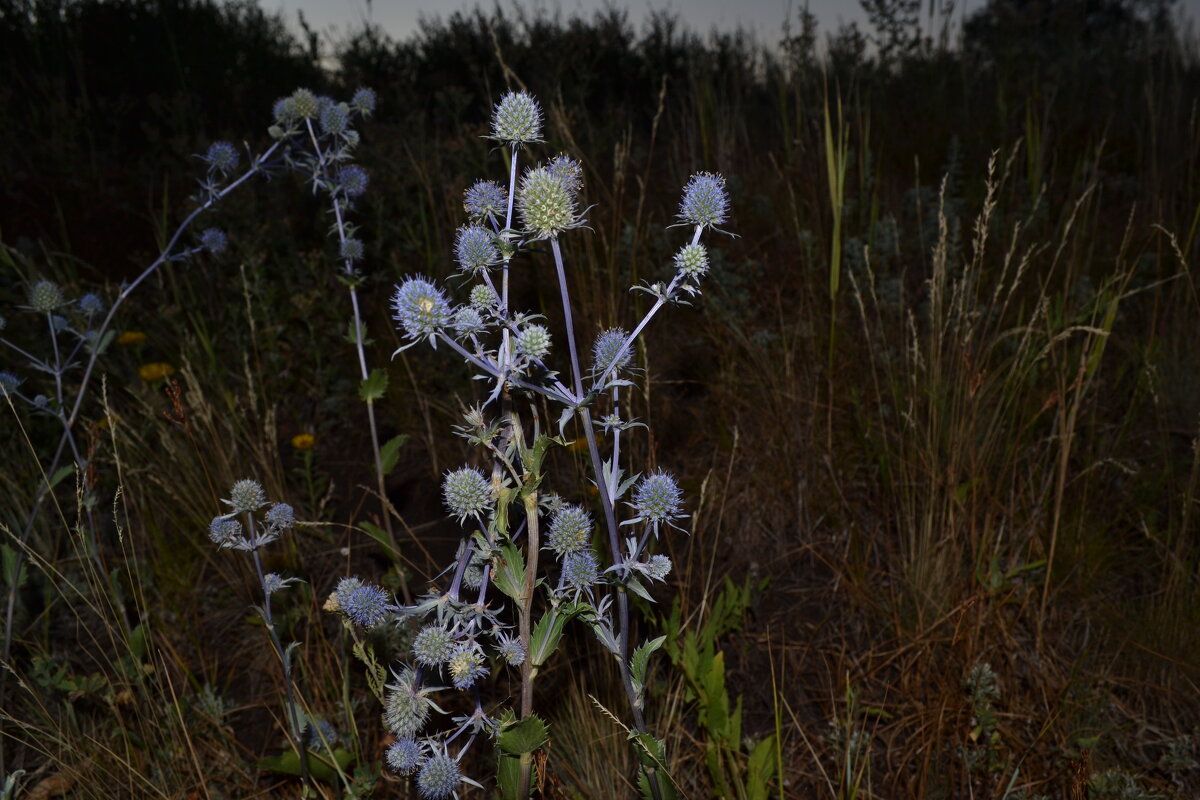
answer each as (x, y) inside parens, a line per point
(894, 469)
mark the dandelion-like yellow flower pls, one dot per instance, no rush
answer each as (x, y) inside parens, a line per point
(131, 337)
(155, 371)
(304, 441)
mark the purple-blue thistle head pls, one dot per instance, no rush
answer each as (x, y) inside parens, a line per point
(223, 531)
(606, 349)
(474, 249)
(658, 498)
(705, 200)
(517, 119)
(420, 308)
(8, 382)
(570, 530)
(213, 240)
(439, 777)
(363, 604)
(465, 666)
(404, 756)
(280, 517)
(405, 706)
(432, 646)
(658, 567)
(352, 180)
(568, 171)
(351, 250)
(468, 322)
(485, 199)
(364, 101)
(335, 118)
(222, 157)
(581, 570)
(510, 649)
(467, 492)
(91, 304)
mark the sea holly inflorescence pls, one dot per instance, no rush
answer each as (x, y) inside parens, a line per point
(496, 611)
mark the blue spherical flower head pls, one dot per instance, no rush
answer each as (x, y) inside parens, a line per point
(705, 200)
(284, 111)
(45, 296)
(432, 646)
(335, 118)
(485, 199)
(533, 341)
(364, 101)
(405, 707)
(474, 249)
(222, 157)
(305, 104)
(246, 495)
(213, 240)
(658, 567)
(570, 530)
(568, 171)
(439, 777)
(351, 250)
(510, 649)
(467, 492)
(353, 180)
(404, 756)
(517, 119)
(468, 322)
(465, 666)
(280, 517)
(90, 305)
(363, 604)
(420, 308)
(8, 383)
(581, 570)
(657, 498)
(224, 531)
(606, 349)
(546, 205)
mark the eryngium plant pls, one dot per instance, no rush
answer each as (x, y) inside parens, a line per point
(510, 511)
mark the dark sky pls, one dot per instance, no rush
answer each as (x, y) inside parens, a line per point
(765, 17)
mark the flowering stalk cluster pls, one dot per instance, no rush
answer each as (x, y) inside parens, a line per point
(506, 510)
(319, 138)
(250, 524)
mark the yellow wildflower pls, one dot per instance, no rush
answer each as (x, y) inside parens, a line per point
(155, 371)
(304, 441)
(131, 337)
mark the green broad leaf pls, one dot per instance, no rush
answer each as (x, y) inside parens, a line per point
(525, 736)
(638, 666)
(389, 454)
(59, 474)
(137, 643)
(548, 631)
(761, 769)
(352, 334)
(508, 571)
(380, 536)
(635, 586)
(715, 699)
(508, 776)
(320, 767)
(373, 387)
(653, 756)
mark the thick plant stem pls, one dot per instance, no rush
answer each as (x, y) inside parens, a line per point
(528, 671)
